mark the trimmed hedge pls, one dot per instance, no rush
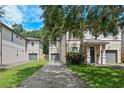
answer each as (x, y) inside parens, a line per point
(74, 58)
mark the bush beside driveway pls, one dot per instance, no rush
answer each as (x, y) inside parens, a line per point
(13, 77)
(100, 77)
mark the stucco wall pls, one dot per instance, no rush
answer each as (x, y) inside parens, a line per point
(13, 53)
(73, 44)
(7, 35)
(63, 50)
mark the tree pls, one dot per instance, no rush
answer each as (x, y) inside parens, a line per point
(35, 34)
(105, 19)
(79, 19)
(54, 20)
(18, 28)
(2, 11)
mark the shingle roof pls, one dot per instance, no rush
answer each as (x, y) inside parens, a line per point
(31, 38)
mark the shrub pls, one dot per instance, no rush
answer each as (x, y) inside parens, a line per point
(74, 58)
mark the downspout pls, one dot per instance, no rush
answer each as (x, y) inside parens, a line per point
(1, 43)
(39, 52)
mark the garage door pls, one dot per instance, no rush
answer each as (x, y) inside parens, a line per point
(111, 56)
(33, 56)
(55, 56)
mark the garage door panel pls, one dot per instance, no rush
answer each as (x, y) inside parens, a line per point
(55, 56)
(33, 56)
(111, 56)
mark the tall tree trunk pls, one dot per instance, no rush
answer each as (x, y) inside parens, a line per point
(82, 47)
(61, 47)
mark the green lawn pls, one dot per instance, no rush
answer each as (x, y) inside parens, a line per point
(13, 77)
(100, 77)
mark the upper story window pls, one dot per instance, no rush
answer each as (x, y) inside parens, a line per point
(16, 36)
(12, 37)
(74, 49)
(54, 44)
(32, 43)
(17, 53)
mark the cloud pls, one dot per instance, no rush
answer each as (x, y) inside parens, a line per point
(12, 15)
(27, 15)
(32, 13)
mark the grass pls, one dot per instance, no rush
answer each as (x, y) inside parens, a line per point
(13, 77)
(100, 77)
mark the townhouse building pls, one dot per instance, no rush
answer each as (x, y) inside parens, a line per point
(103, 50)
(15, 48)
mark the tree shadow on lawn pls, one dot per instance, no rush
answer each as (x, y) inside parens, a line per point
(23, 74)
(101, 77)
(3, 69)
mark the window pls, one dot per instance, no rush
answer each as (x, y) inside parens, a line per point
(32, 43)
(54, 44)
(16, 36)
(17, 54)
(12, 37)
(75, 49)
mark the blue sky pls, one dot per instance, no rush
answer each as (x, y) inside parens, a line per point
(27, 15)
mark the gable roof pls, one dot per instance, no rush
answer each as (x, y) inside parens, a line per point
(2, 24)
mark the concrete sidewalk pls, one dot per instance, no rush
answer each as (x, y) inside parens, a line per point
(54, 75)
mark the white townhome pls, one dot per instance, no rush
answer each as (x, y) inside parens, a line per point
(15, 48)
(34, 48)
(104, 50)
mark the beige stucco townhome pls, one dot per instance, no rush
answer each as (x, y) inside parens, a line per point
(34, 48)
(14, 48)
(103, 50)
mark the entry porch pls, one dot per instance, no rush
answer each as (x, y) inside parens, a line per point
(95, 52)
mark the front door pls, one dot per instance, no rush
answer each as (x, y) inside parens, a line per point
(92, 55)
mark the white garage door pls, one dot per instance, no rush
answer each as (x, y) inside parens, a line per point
(55, 56)
(111, 56)
(33, 56)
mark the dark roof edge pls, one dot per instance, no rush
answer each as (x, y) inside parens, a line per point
(33, 39)
(12, 30)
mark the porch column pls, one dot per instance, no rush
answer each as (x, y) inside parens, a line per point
(100, 55)
(103, 55)
(88, 55)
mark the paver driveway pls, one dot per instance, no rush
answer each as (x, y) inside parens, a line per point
(53, 75)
